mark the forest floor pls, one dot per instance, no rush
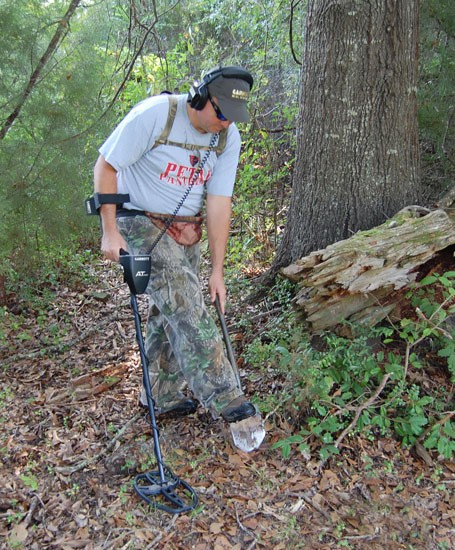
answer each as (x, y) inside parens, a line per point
(73, 438)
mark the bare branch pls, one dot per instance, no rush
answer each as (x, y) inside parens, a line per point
(60, 33)
(294, 4)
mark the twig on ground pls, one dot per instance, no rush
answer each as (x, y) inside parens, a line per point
(360, 537)
(309, 501)
(28, 518)
(240, 524)
(155, 541)
(55, 349)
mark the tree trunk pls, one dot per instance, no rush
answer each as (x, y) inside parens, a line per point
(357, 153)
(364, 278)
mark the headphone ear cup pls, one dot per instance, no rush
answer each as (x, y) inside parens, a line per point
(198, 96)
(193, 96)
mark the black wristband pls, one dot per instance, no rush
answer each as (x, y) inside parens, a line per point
(92, 204)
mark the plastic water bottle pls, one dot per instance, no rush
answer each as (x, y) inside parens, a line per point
(248, 434)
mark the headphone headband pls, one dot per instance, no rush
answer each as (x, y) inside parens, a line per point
(228, 72)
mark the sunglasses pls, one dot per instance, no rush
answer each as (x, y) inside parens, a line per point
(219, 114)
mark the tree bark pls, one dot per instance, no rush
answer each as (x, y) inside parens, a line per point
(357, 154)
(363, 279)
(62, 29)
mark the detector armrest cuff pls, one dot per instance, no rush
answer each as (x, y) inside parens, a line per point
(92, 204)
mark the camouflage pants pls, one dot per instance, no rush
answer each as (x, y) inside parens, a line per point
(183, 344)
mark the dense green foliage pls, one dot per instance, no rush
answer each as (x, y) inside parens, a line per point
(46, 154)
(114, 54)
(437, 95)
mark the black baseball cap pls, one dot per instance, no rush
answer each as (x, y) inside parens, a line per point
(232, 89)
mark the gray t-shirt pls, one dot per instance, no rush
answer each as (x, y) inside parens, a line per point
(156, 179)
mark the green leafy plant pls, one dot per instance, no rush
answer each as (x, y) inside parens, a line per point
(30, 480)
(434, 301)
(362, 384)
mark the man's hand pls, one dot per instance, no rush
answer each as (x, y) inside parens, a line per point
(111, 243)
(217, 288)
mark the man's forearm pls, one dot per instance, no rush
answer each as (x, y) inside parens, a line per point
(105, 181)
(218, 223)
(105, 178)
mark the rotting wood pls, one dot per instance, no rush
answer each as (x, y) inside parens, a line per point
(363, 278)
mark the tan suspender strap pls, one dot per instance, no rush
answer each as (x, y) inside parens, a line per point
(222, 140)
(163, 139)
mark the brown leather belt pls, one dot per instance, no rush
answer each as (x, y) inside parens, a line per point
(168, 217)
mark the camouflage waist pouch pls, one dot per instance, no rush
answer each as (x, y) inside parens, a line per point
(185, 230)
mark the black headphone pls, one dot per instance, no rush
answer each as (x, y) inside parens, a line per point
(199, 93)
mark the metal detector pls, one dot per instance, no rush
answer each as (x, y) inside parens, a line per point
(160, 488)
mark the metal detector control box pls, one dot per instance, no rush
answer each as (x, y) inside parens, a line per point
(136, 271)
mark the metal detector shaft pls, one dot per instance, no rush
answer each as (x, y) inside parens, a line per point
(162, 484)
(227, 341)
(148, 389)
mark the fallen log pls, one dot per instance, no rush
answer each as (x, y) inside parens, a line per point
(364, 278)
